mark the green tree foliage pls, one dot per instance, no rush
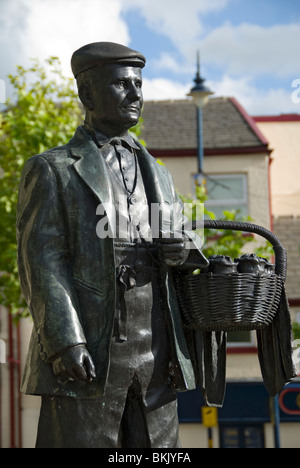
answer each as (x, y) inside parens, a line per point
(44, 113)
(296, 330)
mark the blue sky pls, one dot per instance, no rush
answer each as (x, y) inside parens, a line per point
(249, 49)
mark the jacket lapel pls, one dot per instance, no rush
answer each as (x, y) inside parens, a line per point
(158, 190)
(92, 169)
(152, 177)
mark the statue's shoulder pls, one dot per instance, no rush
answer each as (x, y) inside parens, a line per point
(47, 161)
(53, 153)
(58, 155)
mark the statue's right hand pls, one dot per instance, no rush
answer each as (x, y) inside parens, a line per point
(74, 364)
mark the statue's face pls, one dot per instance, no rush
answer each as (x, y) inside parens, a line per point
(117, 97)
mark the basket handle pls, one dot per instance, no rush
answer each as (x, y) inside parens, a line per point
(279, 250)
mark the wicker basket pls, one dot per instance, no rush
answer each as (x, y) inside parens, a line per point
(234, 302)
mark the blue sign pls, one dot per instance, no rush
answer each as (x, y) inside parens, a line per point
(289, 401)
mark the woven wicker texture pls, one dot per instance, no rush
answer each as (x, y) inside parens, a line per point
(233, 302)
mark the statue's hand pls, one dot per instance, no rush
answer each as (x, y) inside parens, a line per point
(173, 248)
(74, 364)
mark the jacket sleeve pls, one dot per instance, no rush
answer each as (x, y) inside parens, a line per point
(44, 260)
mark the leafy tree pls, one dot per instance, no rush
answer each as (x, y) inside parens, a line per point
(44, 113)
(296, 330)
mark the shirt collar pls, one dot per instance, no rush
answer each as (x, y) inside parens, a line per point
(104, 139)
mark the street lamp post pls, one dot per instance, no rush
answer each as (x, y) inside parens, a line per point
(200, 94)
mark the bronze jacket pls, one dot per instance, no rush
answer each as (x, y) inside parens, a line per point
(67, 272)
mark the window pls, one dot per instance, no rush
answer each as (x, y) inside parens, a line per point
(227, 192)
(242, 436)
(241, 339)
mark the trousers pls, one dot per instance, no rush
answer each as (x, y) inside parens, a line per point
(71, 423)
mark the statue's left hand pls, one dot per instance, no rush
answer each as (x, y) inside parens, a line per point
(173, 248)
(74, 364)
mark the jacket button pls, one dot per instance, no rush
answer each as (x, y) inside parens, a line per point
(139, 265)
(43, 356)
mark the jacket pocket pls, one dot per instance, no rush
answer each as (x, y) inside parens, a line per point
(90, 287)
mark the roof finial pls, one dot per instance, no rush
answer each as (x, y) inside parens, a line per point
(198, 80)
(198, 63)
(200, 89)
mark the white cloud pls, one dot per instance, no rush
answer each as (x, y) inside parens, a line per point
(256, 101)
(179, 20)
(59, 27)
(160, 89)
(252, 49)
(242, 49)
(12, 25)
(167, 62)
(44, 28)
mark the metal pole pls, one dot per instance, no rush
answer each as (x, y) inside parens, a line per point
(210, 438)
(275, 419)
(11, 381)
(200, 140)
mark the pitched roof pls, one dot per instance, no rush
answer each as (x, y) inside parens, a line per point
(173, 125)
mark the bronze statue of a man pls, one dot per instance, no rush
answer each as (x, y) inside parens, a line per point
(108, 351)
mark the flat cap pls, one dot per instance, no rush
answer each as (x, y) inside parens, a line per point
(101, 53)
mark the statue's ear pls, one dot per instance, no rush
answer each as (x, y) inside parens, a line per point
(86, 96)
